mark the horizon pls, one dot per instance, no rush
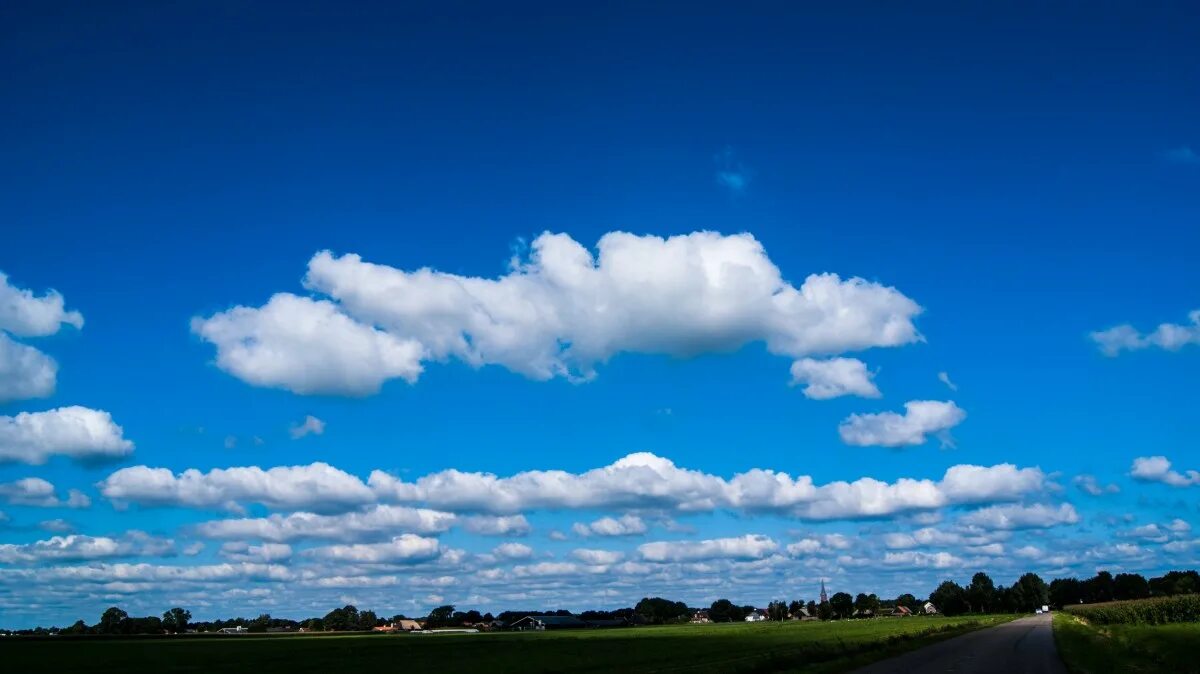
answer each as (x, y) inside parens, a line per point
(400, 307)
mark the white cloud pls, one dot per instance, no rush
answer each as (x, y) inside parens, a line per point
(239, 551)
(750, 546)
(25, 372)
(889, 429)
(317, 486)
(513, 551)
(1169, 336)
(403, 549)
(627, 525)
(34, 491)
(1146, 532)
(1158, 469)
(310, 426)
(814, 545)
(57, 525)
(508, 525)
(27, 315)
(377, 521)
(560, 313)
(594, 557)
(945, 379)
(76, 432)
(76, 547)
(834, 377)
(914, 559)
(1021, 517)
(1088, 484)
(1179, 526)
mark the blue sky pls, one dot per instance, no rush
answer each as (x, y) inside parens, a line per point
(1028, 177)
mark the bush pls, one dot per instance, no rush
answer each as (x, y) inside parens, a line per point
(1155, 611)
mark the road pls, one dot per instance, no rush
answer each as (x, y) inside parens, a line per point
(1023, 646)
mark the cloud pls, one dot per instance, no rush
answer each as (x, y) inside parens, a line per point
(834, 377)
(76, 432)
(731, 174)
(513, 551)
(57, 525)
(627, 525)
(560, 313)
(593, 557)
(375, 522)
(889, 429)
(814, 545)
(1088, 484)
(509, 525)
(913, 559)
(750, 546)
(317, 486)
(1182, 155)
(945, 379)
(265, 553)
(404, 549)
(24, 314)
(25, 372)
(78, 547)
(34, 491)
(1168, 336)
(310, 426)
(1158, 469)
(1010, 517)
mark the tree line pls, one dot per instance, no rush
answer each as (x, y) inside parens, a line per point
(981, 595)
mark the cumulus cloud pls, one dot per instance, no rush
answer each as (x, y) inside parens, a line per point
(25, 372)
(34, 491)
(1036, 516)
(513, 551)
(560, 313)
(375, 522)
(24, 314)
(76, 432)
(1158, 469)
(833, 377)
(815, 545)
(310, 426)
(889, 429)
(750, 546)
(318, 487)
(594, 557)
(914, 559)
(506, 525)
(403, 549)
(1168, 336)
(1088, 484)
(78, 547)
(239, 551)
(627, 525)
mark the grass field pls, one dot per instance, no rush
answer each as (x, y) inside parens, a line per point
(1100, 649)
(738, 647)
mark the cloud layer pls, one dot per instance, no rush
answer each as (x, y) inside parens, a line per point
(560, 313)
(1168, 336)
(921, 418)
(76, 432)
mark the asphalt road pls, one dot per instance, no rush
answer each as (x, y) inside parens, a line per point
(1024, 646)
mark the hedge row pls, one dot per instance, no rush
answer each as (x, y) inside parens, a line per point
(1155, 611)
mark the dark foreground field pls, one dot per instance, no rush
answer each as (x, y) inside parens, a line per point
(746, 647)
(1133, 637)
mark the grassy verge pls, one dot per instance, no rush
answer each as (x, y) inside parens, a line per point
(1101, 649)
(730, 648)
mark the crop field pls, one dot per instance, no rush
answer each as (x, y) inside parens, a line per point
(1144, 635)
(744, 647)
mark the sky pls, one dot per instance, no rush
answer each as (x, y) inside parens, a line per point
(558, 307)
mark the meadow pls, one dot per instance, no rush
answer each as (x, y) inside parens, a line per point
(1143, 635)
(737, 647)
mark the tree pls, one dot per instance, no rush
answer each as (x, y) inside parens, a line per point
(112, 621)
(341, 619)
(981, 593)
(261, 623)
(176, 620)
(1130, 586)
(908, 601)
(367, 621)
(79, 627)
(949, 598)
(866, 604)
(725, 611)
(1067, 592)
(825, 611)
(777, 610)
(1098, 588)
(812, 608)
(440, 616)
(842, 605)
(795, 608)
(1030, 592)
(1175, 582)
(656, 610)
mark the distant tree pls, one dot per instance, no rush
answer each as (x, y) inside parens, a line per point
(866, 604)
(472, 617)
(825, 611)
(1098, 588)
(795, 608)
(342, 619)
(1130, 586)
(112, 621)
(79, 627)
(1030, 592)
(949, 598)
(1066, 592)
(397, 618)
(487, 617)
(657, 611)
(176, 620)
(812, 608)
(908, 601)
(842, 604)
(367, 621)
(981, 593)
(1175, 582)
(441, 616)
(777, 610)
(723, 611)
(261, 623)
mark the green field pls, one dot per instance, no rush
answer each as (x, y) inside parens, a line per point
(737, 647)
(1100, 649)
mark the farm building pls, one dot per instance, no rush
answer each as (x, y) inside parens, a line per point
(701, 617)
(548, 622)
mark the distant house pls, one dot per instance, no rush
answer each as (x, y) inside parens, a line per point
(757, 615)
(701, 617)
(539, 623)
(238, 629)
(406, 625)
(384, 628)
(895, 612)
(800, 614)
(929, 608)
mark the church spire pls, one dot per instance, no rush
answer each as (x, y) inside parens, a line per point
(824, 598)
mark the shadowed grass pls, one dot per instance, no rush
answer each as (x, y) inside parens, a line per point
(1105, 649)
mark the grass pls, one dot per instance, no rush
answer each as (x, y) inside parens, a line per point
(1100, 649)
(739, 647)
